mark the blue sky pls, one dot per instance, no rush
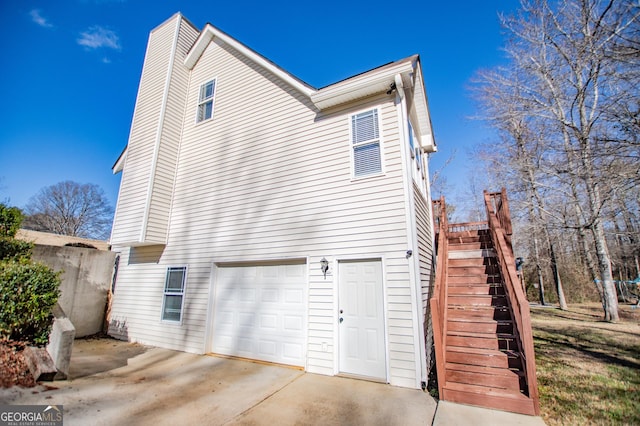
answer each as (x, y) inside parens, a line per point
(71, 70)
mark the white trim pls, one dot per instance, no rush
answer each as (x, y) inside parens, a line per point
(361, 86)
(210, 32)
(385, 311)
(307, 292)
(184, 294)
(412, 238)
(156, 148)
(208, 327)
(213, 283)
(120, 162)
(213, 99)
(378, 109)
(421, 104)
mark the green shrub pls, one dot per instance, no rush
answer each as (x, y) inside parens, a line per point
(10, 220)
(12, 249)
(28, 292)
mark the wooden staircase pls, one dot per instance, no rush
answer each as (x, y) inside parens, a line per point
(483, 359)
(479, 349)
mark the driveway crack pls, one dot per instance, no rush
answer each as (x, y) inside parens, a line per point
(237, 417)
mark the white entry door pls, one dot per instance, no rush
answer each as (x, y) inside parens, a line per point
(361, 310)
(260, 312)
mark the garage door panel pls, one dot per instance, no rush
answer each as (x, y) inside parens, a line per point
(259, 312)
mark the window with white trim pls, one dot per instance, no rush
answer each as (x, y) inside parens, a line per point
(205, 100)
(411, 144)
(174, 294)
(365, 141)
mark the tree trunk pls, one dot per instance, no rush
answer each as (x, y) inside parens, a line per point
(536, 252)
(610, 295)
(556, 277)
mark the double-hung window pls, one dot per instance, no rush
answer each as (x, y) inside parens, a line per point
(174, 294)
(365, 142)
(205, 100)
(411, 138)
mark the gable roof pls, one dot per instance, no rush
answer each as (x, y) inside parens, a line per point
(372, 82)
(210, 32)
(377, 80)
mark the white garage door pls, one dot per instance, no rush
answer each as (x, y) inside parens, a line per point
(260, 312)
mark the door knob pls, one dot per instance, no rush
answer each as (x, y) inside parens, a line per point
(341, 319)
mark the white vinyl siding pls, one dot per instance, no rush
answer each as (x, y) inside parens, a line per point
(425, 258)
(144, 200)
(205, 100)
(365, 140)
(248, 189)
(174, 294)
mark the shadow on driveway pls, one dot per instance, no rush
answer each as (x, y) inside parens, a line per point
(159, 386)
(99, 354)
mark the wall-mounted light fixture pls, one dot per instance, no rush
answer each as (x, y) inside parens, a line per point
(324, 267)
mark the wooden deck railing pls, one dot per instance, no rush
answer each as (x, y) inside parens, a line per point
(500, 229)
(468, 226)
(438, 301)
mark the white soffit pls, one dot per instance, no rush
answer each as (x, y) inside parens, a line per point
(210, 32)
(119, 165)
(363, 85)
(427, 140)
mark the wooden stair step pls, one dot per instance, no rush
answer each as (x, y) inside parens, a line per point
(507, 379)
(477, 282)
(480, 396)
(469, 246)
(470, 254)
(483, 369)
(478, 312)
(462, 325)
(477, 300)
(483, 357)
(474, 279)
(489, 290)
(474, 234)
(473, 261)
(482, 342)
(455, 238)
(480, 335)
(481, 270)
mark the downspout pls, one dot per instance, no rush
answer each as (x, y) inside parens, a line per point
(412, 238)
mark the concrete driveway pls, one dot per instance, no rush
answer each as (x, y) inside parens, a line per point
(119, 383)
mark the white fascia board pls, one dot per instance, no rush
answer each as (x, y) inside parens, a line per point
(425, 129)
(119, 164)
(210, 32)
(369, 83)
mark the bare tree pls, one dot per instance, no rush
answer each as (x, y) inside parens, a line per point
(570, 83)
(70, 208)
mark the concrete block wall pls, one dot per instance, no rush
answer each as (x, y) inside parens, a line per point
(85, 283)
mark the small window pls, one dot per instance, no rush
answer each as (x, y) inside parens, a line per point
(411, 144)
(205, 100)
(174, 294)
(365, 138)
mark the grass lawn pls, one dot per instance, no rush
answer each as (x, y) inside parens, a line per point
(588, 370)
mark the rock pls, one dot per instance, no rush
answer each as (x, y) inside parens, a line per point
(40, 364)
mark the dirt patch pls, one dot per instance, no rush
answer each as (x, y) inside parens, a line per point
(13, 367)
(91, 355)
(96, 354)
